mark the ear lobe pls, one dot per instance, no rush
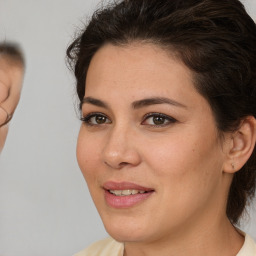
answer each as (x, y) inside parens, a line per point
(241, 145)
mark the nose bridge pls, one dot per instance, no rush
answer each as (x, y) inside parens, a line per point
(120, 148)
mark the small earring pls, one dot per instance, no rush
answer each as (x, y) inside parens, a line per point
(233, 165)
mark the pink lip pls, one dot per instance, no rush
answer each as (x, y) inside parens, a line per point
(121, 202)
(111, 185)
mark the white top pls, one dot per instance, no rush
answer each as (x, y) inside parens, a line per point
(106, 247)
(110, 247)
(249, 247)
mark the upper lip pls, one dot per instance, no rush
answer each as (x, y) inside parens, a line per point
(111, 185)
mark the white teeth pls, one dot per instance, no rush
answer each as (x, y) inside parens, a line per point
(129, 192)
(116, 192)
(126, 192)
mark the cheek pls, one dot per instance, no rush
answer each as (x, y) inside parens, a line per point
(169, 155)
(188, 173)
(87, 154)
(189, 160)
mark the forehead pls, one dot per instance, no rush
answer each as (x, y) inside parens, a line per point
(142, 56)
(140, 68)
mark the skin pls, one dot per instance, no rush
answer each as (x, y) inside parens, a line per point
(11, 78)
(182, 160)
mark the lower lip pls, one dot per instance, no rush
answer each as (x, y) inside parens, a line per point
(125, 201)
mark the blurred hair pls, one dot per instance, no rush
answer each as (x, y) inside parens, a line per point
(12, 52)
(216, 39)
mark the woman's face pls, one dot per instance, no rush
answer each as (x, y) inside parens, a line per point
(148, 147)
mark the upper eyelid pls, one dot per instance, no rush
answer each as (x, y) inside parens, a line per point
(158, 114)
(86, 109)
(145, 116)
(90, 114)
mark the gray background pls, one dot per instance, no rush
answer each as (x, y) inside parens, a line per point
(45, 207)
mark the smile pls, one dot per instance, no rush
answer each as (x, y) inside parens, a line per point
(125, 194)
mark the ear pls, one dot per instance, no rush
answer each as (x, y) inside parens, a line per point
(240, 146)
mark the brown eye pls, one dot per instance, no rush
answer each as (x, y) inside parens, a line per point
(100, 119)
(96, 119)
(158, 119)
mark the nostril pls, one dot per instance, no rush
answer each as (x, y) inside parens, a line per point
(117, 166)
(123, 164)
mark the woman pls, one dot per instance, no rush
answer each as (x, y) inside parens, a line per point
(167, 144)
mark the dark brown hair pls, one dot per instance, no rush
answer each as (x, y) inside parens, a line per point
(216, 39)
(12, 52)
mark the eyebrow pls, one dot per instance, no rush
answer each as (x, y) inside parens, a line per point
(95, 102)
(136, 104)
(154, 101)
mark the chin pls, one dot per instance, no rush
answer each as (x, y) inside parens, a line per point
(127, 229)
(123, 236)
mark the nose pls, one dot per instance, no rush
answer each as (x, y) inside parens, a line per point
(121, 149)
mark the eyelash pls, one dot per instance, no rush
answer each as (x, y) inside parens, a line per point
(167, 119)
(87, 118)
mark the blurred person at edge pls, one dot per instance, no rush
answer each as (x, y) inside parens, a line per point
(167, 94)
(11, 78)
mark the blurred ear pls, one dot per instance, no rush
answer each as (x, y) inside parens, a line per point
(241, 145)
